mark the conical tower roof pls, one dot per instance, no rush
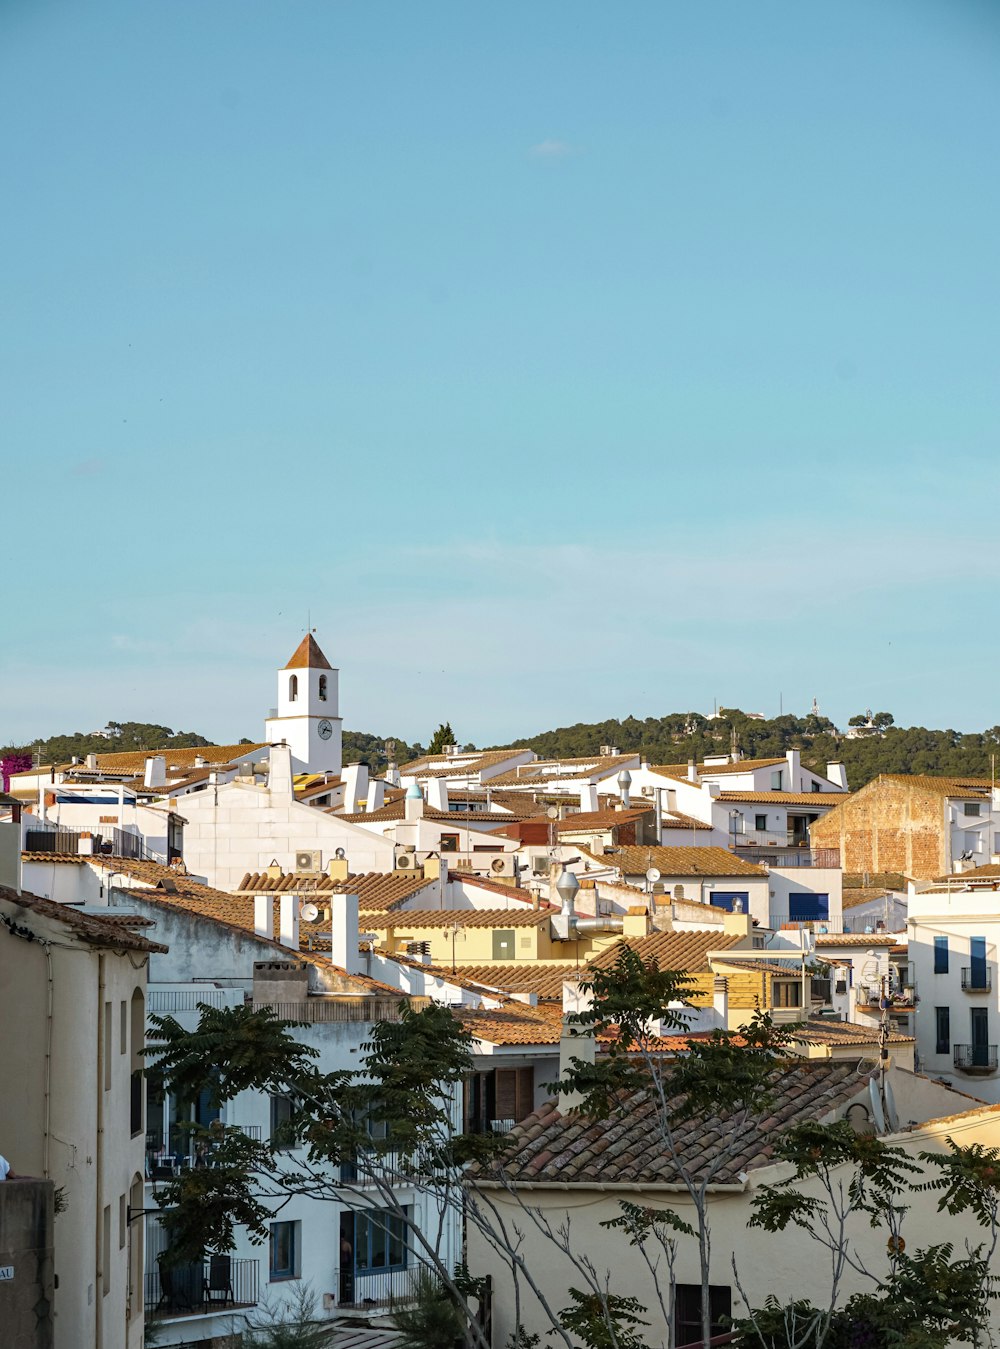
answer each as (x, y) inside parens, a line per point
(308, 656)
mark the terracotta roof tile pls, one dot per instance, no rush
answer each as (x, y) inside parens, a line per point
(420, 918)
(111, 932)
(308, 656)
(821, 800)
(677, 861)
(133, 761)
(627, 1149)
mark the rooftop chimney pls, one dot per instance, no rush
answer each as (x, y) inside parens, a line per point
(837, 774)
(355, 777)
(692, 770)
(155, 771)
(437, 794)
(90, 763)
(588, 797)
(263, 916)
(720, 1002)
(344, 933)
(413, 804)
(376, 795)
(289, 913)
(624, 784)
(279, 772)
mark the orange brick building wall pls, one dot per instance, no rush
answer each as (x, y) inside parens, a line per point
(889, 825)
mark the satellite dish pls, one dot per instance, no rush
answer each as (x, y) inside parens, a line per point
(553, 812)
(652, 875)
(878, 1114)
(891, 1115)
(309, 913)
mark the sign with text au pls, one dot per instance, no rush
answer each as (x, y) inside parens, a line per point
(6, 1273)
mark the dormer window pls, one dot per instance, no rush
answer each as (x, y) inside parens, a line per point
(293, 688)
(322, 688)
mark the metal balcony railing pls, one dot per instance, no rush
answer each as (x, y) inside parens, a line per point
(976, 979)
(783, 855)
(372, 1288)
(201, 1286)
(976, 1058)
(903, 999)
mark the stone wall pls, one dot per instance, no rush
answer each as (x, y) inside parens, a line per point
(889, 825)
(26, 1264)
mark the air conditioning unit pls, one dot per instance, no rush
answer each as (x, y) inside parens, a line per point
(309, 861)
(500, 865)
(406, 861)
(541, 866)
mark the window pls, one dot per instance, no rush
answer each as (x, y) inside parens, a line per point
(942, 1022)
(687, 1311)
(379, 1241)
(322, 688)
(106, 1250)
(122, 1220)
(107, 1045)
(503, 945)
(787, 994)
(972, 807)
(816, 787)
(281, 1112)
(979, 1019)
(284, 1262)
(137, 1083)
(776, 781)
(940, 955)
(760, 822)
(977, 956)
(122, 1027)
(293, 688)
(449, 843)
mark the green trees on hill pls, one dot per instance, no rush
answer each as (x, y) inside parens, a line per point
(118, 736)
(684, 735)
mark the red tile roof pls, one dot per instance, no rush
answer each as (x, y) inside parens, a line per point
(671, 861)
(111, 932)
(308, 656)
(550, 1147)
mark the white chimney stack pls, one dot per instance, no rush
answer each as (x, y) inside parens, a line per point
(155, 771)
(720, 1002)
(279, 772)
(355, 777)
(437, 794)
(376, 795)
(588, 797)
(289, 912)
(837, 774)
(344, 933)
(263, 916)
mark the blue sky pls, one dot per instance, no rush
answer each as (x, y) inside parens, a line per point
(563, 361)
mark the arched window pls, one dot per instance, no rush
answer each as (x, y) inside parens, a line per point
(293, 688)
(322, 688)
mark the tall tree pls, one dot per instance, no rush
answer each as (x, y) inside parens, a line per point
(442, 737)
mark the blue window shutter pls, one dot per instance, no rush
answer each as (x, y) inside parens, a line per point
(940, 955)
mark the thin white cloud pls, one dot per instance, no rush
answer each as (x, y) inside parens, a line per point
(551, 149)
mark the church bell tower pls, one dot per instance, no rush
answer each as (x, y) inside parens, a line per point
(308, 714)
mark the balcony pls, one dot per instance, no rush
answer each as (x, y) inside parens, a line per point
(482, 1124)
(201, 1287)
(753, 847)
(977, 979)
(374, 1290)
(976, 1058)
(901, 1000)
(164, 1160)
